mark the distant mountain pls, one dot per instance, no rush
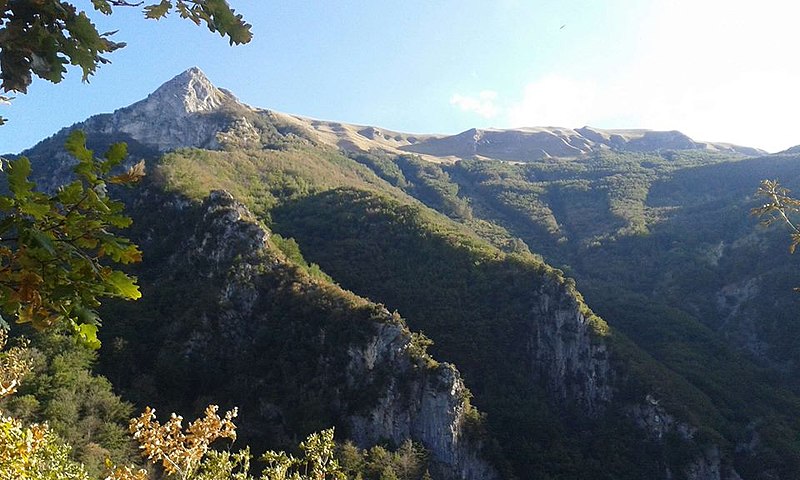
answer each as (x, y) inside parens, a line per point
(189, 111)
(291, 265)
(791, 150)
(525, 144)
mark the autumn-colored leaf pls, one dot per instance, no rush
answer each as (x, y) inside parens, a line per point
(132, 175)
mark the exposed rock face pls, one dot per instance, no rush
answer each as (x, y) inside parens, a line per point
(658, 423)
(574, 361)
(655, 420)
(187, 111)
(230, 230)
(708, 466)
(181, 113)
(430, 408)
(409, 398)
(568, 354)
(739, 323)
(527, 144)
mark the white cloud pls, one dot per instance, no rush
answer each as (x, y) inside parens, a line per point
(715, 70)
(484, 104)
(555, 100)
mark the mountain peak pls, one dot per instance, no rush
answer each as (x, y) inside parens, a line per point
(190, 92)
(174, 116)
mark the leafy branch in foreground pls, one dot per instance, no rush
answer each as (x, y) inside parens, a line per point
(42, 37)
(29, 452)
(779, 207)
(179, 452)
(187, 454)
(55, 248)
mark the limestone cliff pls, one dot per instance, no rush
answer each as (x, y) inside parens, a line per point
(431, 407)
(568, 353)
(373, 383)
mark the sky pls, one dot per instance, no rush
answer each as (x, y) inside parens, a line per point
(716, 70)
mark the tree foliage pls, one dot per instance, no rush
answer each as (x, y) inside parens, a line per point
(779, 206)
(78, 405)
(33, 451)
(14, 365)
(55, 249)
(179, 452)
(187, 454)
(41, 37)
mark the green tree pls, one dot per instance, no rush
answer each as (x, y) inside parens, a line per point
(56, 250)
(409, 460)
(78, 405)
(317, 463)
(779, 207)
(388, 474)
(29, 451)
(41, 37)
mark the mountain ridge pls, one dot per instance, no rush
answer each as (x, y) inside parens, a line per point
(184, 112)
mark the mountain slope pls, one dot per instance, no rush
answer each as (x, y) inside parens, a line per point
(234, 320)
(567, 394)
(526, 144)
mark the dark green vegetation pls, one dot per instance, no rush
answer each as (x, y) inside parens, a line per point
(259, 329)
(594, 216)
(697, 299)
(79, 405)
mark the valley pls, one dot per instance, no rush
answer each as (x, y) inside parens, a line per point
(542, 303)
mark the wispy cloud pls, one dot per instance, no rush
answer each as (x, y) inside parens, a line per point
(725, 75)
(485, 104)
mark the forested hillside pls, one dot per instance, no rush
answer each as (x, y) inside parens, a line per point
(610, 315)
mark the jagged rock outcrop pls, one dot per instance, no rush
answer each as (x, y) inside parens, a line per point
(659, 424)
(574, 360)
(229, 230)
(709, 466)
(430, 408)
(184, 112)
(568, 353)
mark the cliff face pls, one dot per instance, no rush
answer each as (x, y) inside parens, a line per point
(567, 353)
(574, 362)
(372, 381)
(707, 464)
(430, 407)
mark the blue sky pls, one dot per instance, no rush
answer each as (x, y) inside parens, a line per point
(716, 70)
